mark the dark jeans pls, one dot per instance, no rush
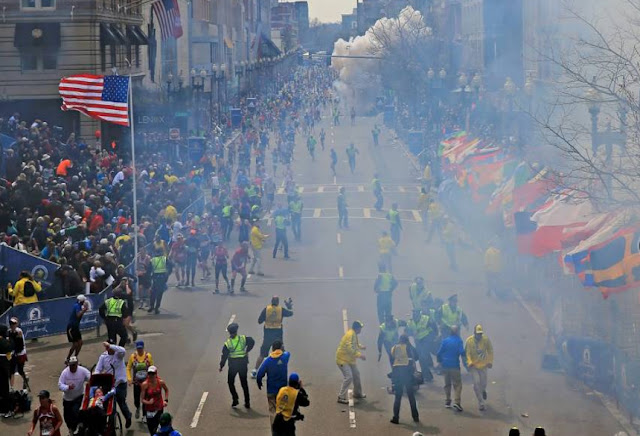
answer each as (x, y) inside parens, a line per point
(154, 423)
(281, 238)
(379, 200)
(121, 399)
(157, 289)
(115, 327)
(227, 226)
(192, 262)
(395, 233)
(423, 347)
(343, 218)
(221, 268)
(4, 385)
(136, 395)
(296, 225)
(384, 305)
(403, 382)
(239, 367)
(71, 411)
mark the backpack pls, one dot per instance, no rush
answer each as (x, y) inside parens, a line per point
(20, 401)
(28, 290)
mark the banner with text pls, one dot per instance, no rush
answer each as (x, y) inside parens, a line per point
(13, 261)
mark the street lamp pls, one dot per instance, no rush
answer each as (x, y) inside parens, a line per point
(607, 137)
(462, 80)
(476, 82)
(430, 74)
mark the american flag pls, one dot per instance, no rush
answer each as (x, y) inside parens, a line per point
(168, 14)
(102, 97)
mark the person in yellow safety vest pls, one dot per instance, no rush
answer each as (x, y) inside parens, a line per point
(272, 316)
(384, 286)
(493, 268)
(435, 220)
(160, 271)
(386, 248)
(423, 328)
(479, 353)
(236, 349)
(113, 311)
(295, 209)
(423, 207)
(396, 224)
(288, 402)
(227, 221)
(280, 222)
(427, 176)
(449, 315)
(257, 243)
(349, 350)
(388, 335)
(403, 357)
(255, 213)
(449, 239)
(376, 187)
(420, 297)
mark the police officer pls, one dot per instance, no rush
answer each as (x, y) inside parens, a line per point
(396, 225)
(272, 316)
(295, 209)
(376, 186)
(449, 315)
(160, 270)
(421, 299)
(343, 213)
(236, 350)
(288, 401)
(113, 311)
(384, 286)
(403, 356)
(424, 330)
(280, 221)
(388, 335)
(255, 213)
(226, 221)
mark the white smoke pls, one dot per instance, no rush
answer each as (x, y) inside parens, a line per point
(359, 79)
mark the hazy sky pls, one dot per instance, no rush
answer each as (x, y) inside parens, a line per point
(330, 10)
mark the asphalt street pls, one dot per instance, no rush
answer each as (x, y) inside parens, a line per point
(330, 277)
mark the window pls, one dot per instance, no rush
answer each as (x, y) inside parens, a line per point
(50, 61)
(29, 61)
(38, 60)
(38, 4)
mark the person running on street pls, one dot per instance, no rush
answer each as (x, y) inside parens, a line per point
(48, 415)
(73, 326)
(151, 398)
(137, 370)
(236, 349)
(178, 255)
(493, 269)
(386, 249)
(424, 330)
(71, 382)
(449, 354)
(275, 367)
(383, 287)
(479, 355)
(352, 151)
(403, 357)
(19, 355)
(343, 213)
(396, 224)
(239, 266)
(220, 258)
(349, 350)
(295, 211)
(353, 116)
(281, 222)
(257, 243)
(311, 146)
(323, 135)
(192, 247)
(376, 186)
(272, 317)
(288, 402)
(375, 132)
(334, 161)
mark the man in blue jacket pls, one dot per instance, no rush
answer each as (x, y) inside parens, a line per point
(275, 367)
(449, 355)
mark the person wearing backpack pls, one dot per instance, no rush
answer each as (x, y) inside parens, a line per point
(137, 367)
(166, 429)
(25, 290)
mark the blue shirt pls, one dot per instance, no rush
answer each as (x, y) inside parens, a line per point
(275, 367)
(450, 352)
(74, 321)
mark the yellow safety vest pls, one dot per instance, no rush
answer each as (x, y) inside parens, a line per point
(237, 347)
(226, 212)
(159, 264)
(394, 216)
(375, 185)
(449, 317)
(273, 319)
(385, 282)
(417, 295)
(280, 222)
(296, 206)
(420, 329)
(400, 355)
(114, 307)
(286, 402)
(390, 335)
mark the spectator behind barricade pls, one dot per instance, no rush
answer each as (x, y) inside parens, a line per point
(72, 284)
(25, 290)
(63, 168)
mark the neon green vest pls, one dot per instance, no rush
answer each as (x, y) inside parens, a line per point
(449, 317)
(114, 307)
(296, 206)
(420, 329)
(280, 222)
(237, 347)
(386, 280)
(159, 264)
(226, 211)
(390, 335)
(394, 216)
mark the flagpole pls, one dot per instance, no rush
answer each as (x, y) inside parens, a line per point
(135, 177)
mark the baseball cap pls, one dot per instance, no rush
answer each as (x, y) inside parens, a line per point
(73, 360)
(13, 320)
(139, 344)
(294, 377)
(232, 328)
(81, 298)
(478, 330)
(44, 394)
(152, 370)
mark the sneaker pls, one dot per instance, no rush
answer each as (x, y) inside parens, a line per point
(217, 291)
(360, 397)
(156, 311)
(458, 407)
(482, 407)
(25, 383)
(243, 289)
(484, 395)
(261, 274)
(447, 404)
(254, 373)
(235, 403)
(135, 335)
(8, 415)
(343, 400)
(247, 406)
(394, 420)
(251, 272)
(127, 423)
(138, 413)
(149, 310)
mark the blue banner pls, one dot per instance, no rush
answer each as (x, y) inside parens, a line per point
(50, 317)
(13, 261)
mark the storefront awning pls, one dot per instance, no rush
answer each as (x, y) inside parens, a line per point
(29, 35)
(267, 48)
(110, 34)
(119, 34)
(228, 43)
(136, 36)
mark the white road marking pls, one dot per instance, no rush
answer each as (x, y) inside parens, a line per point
(335, 180)
(360, 188)
(352, 410)
(320, 189)
(317, 212)
(345, 320)
(196, 416)
(339, 238)
(367, 212)
(341, 272)
(416, 216)
(280, 190)
(232, 319)
(401, 189)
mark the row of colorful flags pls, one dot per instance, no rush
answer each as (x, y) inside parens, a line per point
(549, 218)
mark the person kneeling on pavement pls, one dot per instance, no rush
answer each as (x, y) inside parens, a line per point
(289, 400)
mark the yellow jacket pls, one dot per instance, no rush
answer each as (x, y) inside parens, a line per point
(435, 211)
(385, 245)
(17, 292)
(349, 349)
(257, 238)
(426, 173)
(171, 213)
(479, 354)
(136, 358)
(492, 260)
(423, 201)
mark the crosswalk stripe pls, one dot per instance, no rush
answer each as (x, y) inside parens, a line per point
(316, 213)
(280, 190)
(416, 216)
(320, 188)
(301, 189)
(419, 188)
(341, 272)
(367, 212)
(401, 189)
(360, 188)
